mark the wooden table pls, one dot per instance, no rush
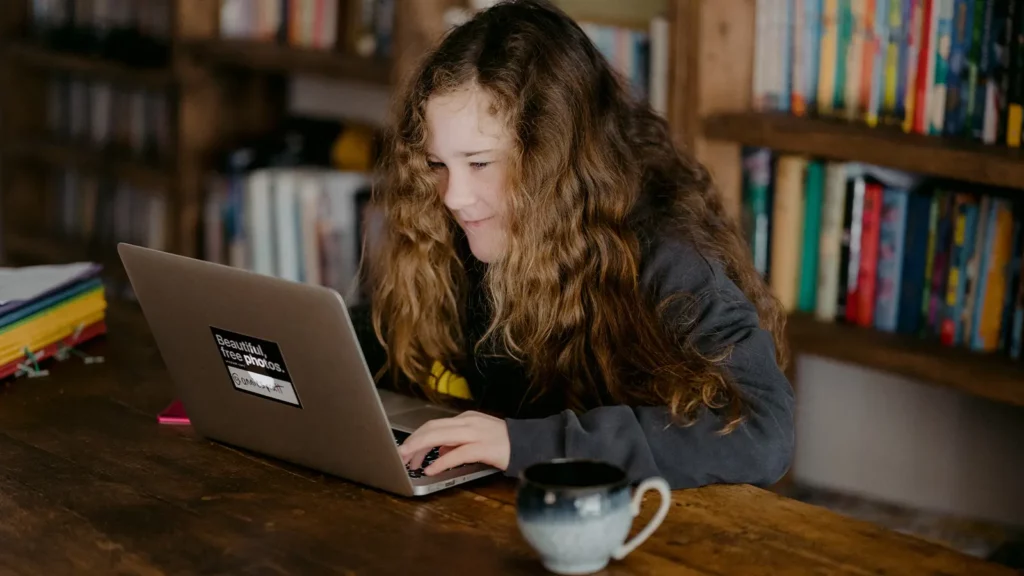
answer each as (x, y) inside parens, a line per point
(91, 484)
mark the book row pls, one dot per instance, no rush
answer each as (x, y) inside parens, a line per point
(135, 32)
(294, 204)
(888, 250)
(363, 27)
(105, 211)
(303, 224)
(629, 52)
(951, 68)
(130, 121)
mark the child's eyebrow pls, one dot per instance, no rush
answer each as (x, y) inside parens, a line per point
(475, 153)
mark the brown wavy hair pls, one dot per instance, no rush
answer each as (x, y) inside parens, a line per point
(565, 298)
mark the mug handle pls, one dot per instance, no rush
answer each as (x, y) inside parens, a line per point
(661, 486)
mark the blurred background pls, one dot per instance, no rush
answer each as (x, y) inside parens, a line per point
(243, 132)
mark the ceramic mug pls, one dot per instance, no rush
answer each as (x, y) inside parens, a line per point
(577, 513)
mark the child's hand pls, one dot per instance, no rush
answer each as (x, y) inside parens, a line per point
(467, 438)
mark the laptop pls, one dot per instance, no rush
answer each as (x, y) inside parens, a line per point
(274, 367)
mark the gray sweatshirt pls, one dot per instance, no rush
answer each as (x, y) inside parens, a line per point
(640, 439)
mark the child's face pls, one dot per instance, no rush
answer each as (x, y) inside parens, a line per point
(468, 149)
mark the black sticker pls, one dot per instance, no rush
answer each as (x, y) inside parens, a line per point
(255, 366)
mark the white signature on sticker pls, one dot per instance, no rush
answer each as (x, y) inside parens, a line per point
(255, 380)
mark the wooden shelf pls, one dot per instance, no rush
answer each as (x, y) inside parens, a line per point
(273, 57)
(39, 57)
(986, 375)
(69, 155)
(882, 146)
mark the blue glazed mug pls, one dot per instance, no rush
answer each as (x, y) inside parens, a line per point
(577, 513)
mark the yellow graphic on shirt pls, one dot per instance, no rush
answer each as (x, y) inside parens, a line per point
(448, 382)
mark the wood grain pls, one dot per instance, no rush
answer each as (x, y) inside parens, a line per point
(277, 58)
(25, 248)
(987, 375)
(842, 141)
(713, 75)
(684, 72)
(29, 55)
(69, 155)
(91, 484)
(419, 25)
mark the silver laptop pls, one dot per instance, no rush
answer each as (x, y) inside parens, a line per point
(274, 366)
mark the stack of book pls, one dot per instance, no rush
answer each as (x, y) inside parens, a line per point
(46, 311)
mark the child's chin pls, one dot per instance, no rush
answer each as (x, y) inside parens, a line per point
(484, 251)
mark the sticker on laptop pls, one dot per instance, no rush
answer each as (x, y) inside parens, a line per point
(255, 366)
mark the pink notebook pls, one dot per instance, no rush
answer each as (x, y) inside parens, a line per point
(173, 414)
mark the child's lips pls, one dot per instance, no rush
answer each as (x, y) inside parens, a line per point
(476, 223)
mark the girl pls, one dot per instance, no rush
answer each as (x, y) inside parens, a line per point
(547, 243)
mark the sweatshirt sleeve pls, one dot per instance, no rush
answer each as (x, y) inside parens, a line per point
(641, 439)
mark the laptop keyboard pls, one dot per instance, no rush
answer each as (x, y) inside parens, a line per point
(430, 457)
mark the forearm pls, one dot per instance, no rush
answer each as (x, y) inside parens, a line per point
(645, 443)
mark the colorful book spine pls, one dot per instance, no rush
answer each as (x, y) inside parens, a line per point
(879, 48)
(926, 68)
(956, 286)
(827, 69)
(844, 37)
(947, 218)
(814, 191)
(975, 258)
(756, 212)
(1012, 283)
(914, 269)
(892, 233)
(982, 55)
(1015, 93)
(991, 286)
(787, 229)
(943, 47)
(853, 106)
(868, 269)
(762, 55)
(915, 30)
(831, 242)
(797, 96)
(999, 84)
(784, 53)
(849, 250)
(962, 21)
(891, 107)
(811, 52)
(903, 61)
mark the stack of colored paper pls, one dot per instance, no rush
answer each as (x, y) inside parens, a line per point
(45, 309)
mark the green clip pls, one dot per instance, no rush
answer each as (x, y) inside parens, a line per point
(32, 358)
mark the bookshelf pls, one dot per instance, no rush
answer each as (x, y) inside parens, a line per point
(722, 119)
(279, 59)
(845, 141)
(23, 53)
(57, 154)
(207, 112)
(984, 375)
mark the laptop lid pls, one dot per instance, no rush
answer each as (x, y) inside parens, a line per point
(268, 365)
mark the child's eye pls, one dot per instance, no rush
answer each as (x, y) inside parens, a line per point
(478, 165)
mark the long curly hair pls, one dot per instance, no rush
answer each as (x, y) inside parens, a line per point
(565, 297)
